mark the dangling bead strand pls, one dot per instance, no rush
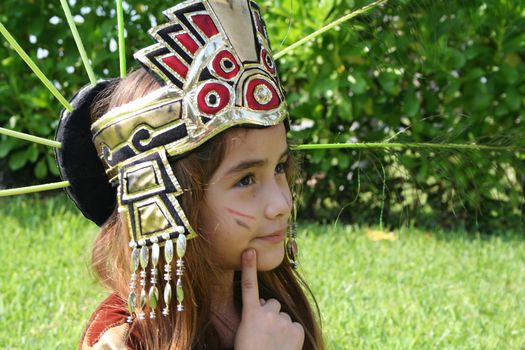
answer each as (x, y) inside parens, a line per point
(144, 257)
(132, 298)
(168, 257)
(153, 291)
(181, 251)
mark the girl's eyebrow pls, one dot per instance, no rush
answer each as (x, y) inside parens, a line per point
(252, 163)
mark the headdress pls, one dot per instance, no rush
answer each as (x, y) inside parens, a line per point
(213, 61)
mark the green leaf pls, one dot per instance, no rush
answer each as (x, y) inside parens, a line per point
(32, 153)
(5, 146)
(475, 73)
(501, 110)
(319, 156)
(6, 62)
(509, 73)
(18, 160)
(452, 90)
(39, 101)
(389, 83)
(358, 83)
(41, 169)
(454, 59)
(368, 106)
(52, 165)
(482, 100)
(411, 103)
(512, 99)
(344, 161)
(344, 109)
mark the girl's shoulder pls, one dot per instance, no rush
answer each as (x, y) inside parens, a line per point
(107, 328)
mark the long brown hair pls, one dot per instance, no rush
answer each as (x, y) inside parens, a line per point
(193, 328)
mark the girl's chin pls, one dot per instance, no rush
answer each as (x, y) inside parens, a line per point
(267, 261)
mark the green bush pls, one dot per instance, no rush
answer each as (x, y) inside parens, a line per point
(42, 30)
(410, 71)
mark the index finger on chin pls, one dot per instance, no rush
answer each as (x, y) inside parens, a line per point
(249, 285)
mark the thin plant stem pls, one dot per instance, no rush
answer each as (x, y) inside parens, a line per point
(328, 27)
(30, 138)
(388, 145)
(383, 199)
(121, 40)
(78, 41)
(34, 68)
(34, 189)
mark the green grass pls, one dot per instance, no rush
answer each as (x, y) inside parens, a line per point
(421, 291)
(424, 290)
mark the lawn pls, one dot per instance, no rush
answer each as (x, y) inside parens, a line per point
(410, 289)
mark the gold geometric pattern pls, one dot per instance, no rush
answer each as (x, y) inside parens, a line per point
(148, 194)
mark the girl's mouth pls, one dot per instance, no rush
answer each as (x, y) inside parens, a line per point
(274, 237)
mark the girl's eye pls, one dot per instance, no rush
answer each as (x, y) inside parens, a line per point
(245, 181)
(280, 168)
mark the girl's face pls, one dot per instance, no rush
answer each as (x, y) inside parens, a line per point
(248, 201)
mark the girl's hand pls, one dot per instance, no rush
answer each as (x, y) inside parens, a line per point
(262, 325)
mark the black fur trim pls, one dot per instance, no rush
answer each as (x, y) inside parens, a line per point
(78, 160)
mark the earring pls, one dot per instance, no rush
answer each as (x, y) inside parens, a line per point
(291, 244)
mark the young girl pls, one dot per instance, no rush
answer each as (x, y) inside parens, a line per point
(195, 149)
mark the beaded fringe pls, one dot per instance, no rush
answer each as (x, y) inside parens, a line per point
(140, 257)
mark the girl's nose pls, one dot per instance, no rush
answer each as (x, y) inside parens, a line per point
(279, 200)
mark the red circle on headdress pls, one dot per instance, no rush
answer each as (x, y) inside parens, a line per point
(225, 65)
(273, 100)
(268, 61)
(213, 97)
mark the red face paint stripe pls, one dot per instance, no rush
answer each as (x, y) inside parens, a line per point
(240, 214)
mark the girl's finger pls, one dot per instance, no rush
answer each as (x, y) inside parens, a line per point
(249, 285)
(285, 316)
(272, 305)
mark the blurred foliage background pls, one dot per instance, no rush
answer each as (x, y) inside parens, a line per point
(408, 71)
